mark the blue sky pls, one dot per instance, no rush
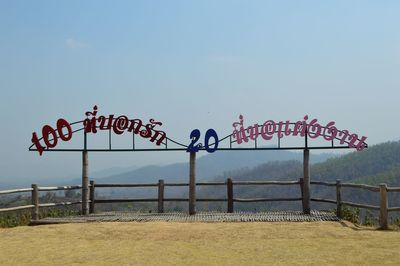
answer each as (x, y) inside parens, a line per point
(193, 64)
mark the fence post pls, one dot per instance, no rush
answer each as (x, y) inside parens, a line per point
(192, 183)
(91, 197)
(160, 196)
(85, 182)
(35, 202)
(306, 181)
(301, 181)
(338, 199)
(229, 184)
(383, 217)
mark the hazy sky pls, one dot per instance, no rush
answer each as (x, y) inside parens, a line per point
(192, 64)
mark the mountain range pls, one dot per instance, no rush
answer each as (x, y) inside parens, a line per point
(207, 167)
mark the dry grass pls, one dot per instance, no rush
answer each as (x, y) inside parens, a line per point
(162, 243)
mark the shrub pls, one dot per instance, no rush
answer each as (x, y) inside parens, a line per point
(370, 219)
(351, 214)
(15, 219)
(20, 218)
(396, 222)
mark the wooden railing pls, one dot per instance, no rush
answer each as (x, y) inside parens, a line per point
(161, 187)
(383, 208)
(383, 190)
(35, 204)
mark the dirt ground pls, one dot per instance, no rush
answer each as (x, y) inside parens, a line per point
(173, 243)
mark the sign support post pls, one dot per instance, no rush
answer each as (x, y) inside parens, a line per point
(306, 181)
(192, 183)
(85, 183)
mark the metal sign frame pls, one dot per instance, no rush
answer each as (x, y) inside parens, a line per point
(228, 140)
(339, 139)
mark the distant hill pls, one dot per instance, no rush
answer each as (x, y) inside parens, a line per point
(208, 166)
(366, 166)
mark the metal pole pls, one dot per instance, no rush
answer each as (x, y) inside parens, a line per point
(306, 181)
(85, 183)
(192, 183)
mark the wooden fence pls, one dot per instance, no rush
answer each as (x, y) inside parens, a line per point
(161, 187)
(383, 207)
(383, 190)
(35, 205)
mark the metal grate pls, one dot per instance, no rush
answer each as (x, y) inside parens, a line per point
(278, 216)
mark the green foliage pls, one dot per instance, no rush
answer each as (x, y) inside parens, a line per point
(15, 219)
(20, 218)
(396, 223)
(59, 212)
(363, 166)
(351, 214)
(370, 219)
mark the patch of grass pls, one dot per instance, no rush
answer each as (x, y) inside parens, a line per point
(370, 219)
(166, 243)
(15, 219)
(351, 214)
(21, 218)
(396, 223)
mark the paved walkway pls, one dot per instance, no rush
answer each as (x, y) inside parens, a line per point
(279, 216)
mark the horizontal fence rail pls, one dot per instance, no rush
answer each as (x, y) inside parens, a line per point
(59, 188)
(17, 208)
(266, 183)
(332, 184)
(359, 205)
(11, 191)
(65, 203)
(383, 207)
(393, 189)
(267, 199)
(35, 189)
(127, 185)
(324, 200)
(367, 187)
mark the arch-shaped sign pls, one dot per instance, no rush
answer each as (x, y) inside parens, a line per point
(308, 129)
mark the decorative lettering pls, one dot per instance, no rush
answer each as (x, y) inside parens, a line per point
(49, 136)
(312, 129)
(92, 123)
(121, 124)
(195, 136)
(268, 130)
(239, 134)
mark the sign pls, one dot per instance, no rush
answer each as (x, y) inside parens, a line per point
(121, 124)
(281, 129)
(93, 123)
